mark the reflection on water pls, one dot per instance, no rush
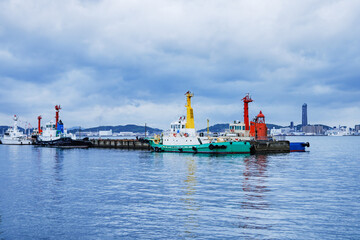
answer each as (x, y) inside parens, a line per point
(58, 167)
(1, 231)
(14, 151)
(254, 186)
(191, 206)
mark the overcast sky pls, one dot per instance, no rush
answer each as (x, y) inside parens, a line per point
(116, 62)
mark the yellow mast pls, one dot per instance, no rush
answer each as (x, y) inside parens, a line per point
(208, 127)
(189, 111)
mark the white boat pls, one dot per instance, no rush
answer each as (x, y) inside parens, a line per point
(13, 136)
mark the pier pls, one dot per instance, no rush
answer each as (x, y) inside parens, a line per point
(120, 143)
(270, 146)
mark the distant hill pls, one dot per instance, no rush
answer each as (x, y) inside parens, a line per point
(324, 126)
(216, 128)
(225, 126)
(4, 128)
(126, 128)
(271, 126)
(140, 129)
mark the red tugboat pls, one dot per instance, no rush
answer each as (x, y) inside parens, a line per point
(256, 133)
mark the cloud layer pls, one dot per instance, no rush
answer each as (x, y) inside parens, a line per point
(117, 62)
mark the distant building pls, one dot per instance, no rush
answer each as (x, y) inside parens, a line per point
(357, 128)
(304, 115)
(105, 133)
(282, 131)
(291, 125)
(126, 134)
(339, 131)
(313, 129)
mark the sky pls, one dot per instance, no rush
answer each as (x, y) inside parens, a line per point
(117, 62)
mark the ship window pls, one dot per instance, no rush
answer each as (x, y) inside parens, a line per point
(183, 126)
(243, 127)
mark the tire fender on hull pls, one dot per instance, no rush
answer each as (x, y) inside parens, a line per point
(194, 149)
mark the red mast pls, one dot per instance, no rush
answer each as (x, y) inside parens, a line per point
(57, 108)
(246, 100)
(39, 124)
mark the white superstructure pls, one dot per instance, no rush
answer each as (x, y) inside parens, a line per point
(14, 136)
(237, 132)
(50, 133)
(180, 135)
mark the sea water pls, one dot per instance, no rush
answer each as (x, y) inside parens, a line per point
(49, 193)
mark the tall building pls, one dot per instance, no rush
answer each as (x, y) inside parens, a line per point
(304, 115)
(291, 125)
(357, 127)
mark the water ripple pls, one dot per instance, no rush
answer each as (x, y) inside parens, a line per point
(115, 194)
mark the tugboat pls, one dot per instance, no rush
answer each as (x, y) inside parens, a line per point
(256, 133)
(54, 135)
(13, 136)
(182, 138)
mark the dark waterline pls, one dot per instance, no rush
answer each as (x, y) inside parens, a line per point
(48, 193)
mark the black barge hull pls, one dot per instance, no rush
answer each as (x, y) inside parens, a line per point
(65, 143)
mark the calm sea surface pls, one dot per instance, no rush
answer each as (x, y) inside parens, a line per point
(50, 193)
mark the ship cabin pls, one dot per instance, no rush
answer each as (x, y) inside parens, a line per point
(51, 132)
(237, 129)
(178, 126)
(50, 125)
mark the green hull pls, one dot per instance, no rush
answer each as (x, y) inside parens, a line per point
(217, 148)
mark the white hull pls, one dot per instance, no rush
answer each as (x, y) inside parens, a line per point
(15, 141)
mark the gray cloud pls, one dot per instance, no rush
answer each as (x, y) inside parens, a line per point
(116, 62)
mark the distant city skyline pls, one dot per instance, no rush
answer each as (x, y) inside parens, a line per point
(114, 62)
